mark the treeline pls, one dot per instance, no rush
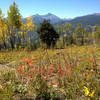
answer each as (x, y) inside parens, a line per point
(78, 35)
(15, 34)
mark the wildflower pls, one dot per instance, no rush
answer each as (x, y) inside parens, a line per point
(86, 91)
(51, 68)
(50, 72)
(92, 94)
(60, 69)
(21, 68)
(62, 74)
(60, 66)
(29, 61)
(24, 60)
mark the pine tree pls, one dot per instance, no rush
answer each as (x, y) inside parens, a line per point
(47, 34)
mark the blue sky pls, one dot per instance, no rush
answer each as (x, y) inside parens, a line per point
(61, 8)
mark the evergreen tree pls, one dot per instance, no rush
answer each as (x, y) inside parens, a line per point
(47, 34)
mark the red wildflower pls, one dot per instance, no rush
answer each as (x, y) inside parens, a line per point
(60, 66)
(51, 68)
(21, 68)
(50, 72)
(24, 60)
(60, 69)
(61, 74)
(29, 61)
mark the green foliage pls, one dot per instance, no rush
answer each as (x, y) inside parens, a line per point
(71, 73)
(15, 34)
(3, 30)
(14, 17)
(47, 34)
(60, 43)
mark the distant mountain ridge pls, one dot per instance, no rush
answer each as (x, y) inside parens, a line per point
(91, 19)
(53, 18)
(37, 19)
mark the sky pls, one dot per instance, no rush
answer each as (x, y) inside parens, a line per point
(61, 8)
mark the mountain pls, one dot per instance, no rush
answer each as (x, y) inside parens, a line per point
(53, 18)
(92, 19)
(37, 19)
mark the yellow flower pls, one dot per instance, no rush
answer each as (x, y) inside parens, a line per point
(92, 94)
(86, 91)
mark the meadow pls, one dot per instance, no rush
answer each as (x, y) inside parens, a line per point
(44, 57)
(72, 73)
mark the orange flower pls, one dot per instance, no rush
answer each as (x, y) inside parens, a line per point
(29, 61)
